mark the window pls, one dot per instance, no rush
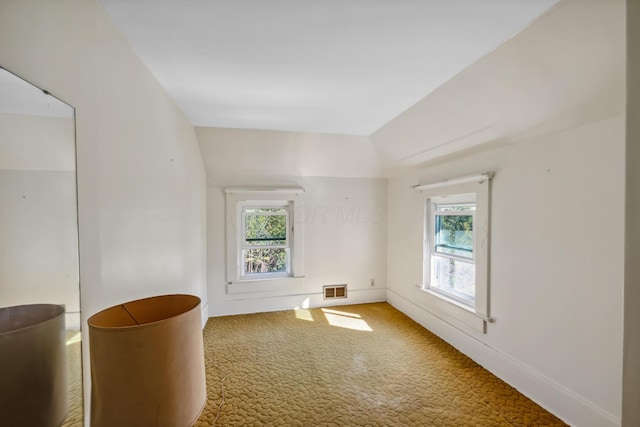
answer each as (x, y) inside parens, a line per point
(456, 250)
(265, 248)
(264, 241)
(451, 243)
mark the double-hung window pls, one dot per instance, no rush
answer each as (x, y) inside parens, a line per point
(456, 244)
(265, 250)
(265, 240)
(451, 246)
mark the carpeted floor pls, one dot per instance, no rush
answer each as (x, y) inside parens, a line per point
(358, 365)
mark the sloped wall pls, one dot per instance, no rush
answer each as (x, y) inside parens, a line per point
(141, 181)
(140, 175)
(566, 69)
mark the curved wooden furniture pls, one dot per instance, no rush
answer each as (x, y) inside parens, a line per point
(33, 365)
(147, 363)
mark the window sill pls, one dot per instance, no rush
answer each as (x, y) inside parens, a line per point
(279, 285)
(264, 277)
(454, 312)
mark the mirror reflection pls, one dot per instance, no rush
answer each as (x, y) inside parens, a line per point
(39, 277)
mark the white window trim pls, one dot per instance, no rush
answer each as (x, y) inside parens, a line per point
(480, 185)
(279, 283)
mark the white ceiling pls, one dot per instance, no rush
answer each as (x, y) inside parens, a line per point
(330, 66)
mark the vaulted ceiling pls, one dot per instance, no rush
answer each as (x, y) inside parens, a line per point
(332, 66)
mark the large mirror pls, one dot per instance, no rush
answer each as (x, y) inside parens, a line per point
(39, 275)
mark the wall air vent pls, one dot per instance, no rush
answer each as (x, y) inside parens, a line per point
(335, 291)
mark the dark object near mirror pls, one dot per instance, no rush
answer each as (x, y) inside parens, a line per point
(33, 390)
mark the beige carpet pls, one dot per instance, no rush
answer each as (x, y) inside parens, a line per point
(358, 365)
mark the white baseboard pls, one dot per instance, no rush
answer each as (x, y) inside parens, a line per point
(289, 302)
(553, 397)
(204, 314)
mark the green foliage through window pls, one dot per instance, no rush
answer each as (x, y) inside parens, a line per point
(265, 230)
(265, 240)
(263, 260)
(454, 235)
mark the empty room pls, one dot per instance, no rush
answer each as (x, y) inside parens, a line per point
(305, 213)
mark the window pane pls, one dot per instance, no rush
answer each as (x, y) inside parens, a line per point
(454, 235)
(454, 277)
(261, 230)
(265, 260)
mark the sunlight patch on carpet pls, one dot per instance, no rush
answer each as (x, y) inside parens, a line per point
(343, 319)
(303, 314)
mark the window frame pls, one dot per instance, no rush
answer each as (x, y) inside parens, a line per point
(238, 199)
(443, 302)
(431, 213)
(243, 247)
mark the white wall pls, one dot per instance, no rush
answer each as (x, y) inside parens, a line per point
(38, 221)
(38, 239)
(345, 215)
(141, 181)
(141, 178)
(556, 279)
(35, 143)
(238, 152)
